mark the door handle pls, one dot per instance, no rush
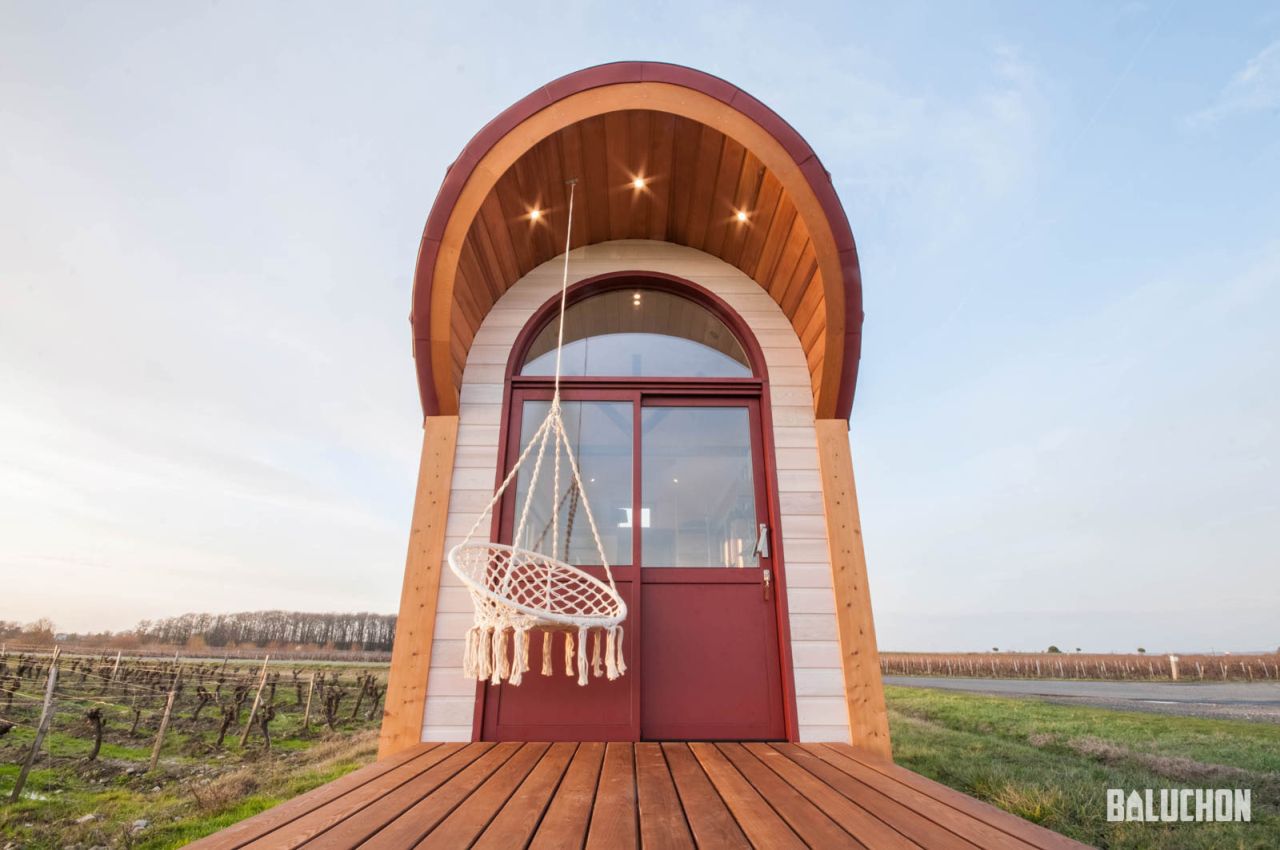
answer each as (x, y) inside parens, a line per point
(767, 579)
(762, 541)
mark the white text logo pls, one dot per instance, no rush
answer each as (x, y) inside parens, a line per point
(1179, 804)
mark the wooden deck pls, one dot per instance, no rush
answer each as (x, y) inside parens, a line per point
(634, 795)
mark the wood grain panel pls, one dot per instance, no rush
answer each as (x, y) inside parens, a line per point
(864, 691)
(758, 820)
(809, 822)
(696, 179)
(514, 825)
(567, 818)
(415, 627)
(662, 822)
(613, 817)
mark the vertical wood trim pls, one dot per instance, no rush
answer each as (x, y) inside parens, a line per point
(411, 654)
(863, 688)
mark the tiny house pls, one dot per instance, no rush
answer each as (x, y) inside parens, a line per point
(711, 326)
(710, 355)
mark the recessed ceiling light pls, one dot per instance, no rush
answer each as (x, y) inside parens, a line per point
(742, 215)
(638, 183)
(535, 214)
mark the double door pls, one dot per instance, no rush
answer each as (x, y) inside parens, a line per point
(677, 486)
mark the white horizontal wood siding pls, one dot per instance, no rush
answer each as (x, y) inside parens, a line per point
(819, 680)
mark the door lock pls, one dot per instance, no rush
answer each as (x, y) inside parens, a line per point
(767, 577)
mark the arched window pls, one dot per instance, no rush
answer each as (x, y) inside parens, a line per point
(639, 332)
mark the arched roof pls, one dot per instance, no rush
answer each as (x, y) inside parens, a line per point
(705, 151)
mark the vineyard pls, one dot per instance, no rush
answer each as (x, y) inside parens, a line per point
(169, 732)
(1061, 665)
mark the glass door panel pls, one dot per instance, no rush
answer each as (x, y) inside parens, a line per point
(601, 433)
(698, 489)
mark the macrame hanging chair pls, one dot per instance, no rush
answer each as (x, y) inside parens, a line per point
(518, 589)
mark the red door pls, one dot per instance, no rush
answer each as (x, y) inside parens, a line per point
(678, 488)
(708, 630)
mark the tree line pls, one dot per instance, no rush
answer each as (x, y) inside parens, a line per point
(363, 630)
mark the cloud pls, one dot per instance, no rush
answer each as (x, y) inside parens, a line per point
(1256, 88)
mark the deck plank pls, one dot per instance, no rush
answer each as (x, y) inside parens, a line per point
(353, 819)
(465, 823)
(237, 835)
(761, 824)
(658, 796)
(857, 821)
(318, 820)
(979, 832)
(921, 830)
(613, 817)
(662, 822)
(565, 823)
(1026, 830)
(804, 818)
(513, 826)
(414, 824)
(710, 820)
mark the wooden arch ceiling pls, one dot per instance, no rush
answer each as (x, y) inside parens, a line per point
(704, 151)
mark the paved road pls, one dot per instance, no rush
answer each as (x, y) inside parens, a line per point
(1237, 700)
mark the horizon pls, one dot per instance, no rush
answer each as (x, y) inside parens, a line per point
(1066, 422)
(1048, 650)
(61, 636)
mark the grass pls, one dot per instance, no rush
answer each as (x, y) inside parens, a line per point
(1052, 764)
(182, 801)
(197, 788)
(1045, 762)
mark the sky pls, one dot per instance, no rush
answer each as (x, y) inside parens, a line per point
(1068, 218)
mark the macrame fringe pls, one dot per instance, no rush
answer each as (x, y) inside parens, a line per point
(622, 665)
(501, 664)
(485, 647)
(486, 654)
(469, 653)
(610, 654)
(476, 660)
(519, 656)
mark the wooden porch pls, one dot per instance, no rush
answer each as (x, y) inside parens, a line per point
(634, 795)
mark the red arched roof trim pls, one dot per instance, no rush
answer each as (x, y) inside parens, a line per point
(461, 170)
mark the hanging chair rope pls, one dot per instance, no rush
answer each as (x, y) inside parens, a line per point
(515, 588)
